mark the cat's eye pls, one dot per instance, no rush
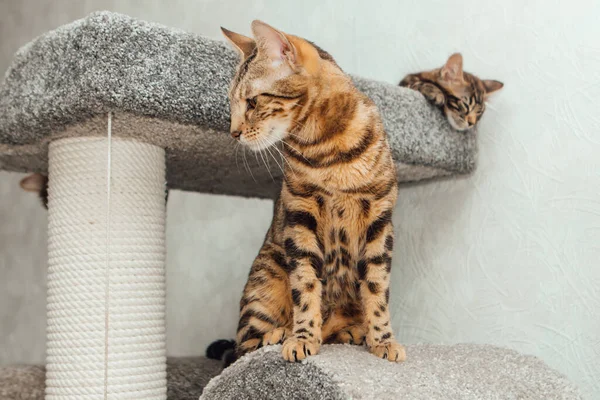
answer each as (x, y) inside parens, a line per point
(250, 104)
(453, 106)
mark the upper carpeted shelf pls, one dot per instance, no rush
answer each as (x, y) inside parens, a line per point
(169, 88)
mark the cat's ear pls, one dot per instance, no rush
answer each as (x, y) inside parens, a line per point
(243, 44)
(492, 86)
(276, 45)
(33, 183)
(452, 71)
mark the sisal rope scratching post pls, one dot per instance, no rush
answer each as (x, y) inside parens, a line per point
(106, 334)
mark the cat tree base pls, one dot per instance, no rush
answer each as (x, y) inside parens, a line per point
(106, 278)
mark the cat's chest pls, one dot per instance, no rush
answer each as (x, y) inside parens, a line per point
(345, 177)
(344, 231)
(343, 243)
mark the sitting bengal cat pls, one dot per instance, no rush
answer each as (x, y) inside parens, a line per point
(323, 272)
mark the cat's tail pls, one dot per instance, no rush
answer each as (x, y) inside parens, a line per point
(222, 349)
(36, 183)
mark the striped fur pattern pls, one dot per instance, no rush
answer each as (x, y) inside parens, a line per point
(459, 94)
(323, 272)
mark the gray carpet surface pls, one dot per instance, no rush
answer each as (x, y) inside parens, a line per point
(186, 378)
(265, 375)
(169, 88)
(465, 371)
(431, 372)
(22, 382)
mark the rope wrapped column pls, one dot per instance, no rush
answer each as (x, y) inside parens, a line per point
(106, 336)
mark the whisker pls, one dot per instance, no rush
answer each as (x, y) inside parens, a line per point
(262, 142)
(286, 161)
(274, 159)
(296, 150)
(237, 147)
(244, 158)
(292, 147)
(248, 165)
(293, 134)
(256, 156)
(301, 125)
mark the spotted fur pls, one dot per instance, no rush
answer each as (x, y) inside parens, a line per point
(459, 94)
(323, 272)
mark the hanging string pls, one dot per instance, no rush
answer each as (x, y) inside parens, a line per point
(107, 272)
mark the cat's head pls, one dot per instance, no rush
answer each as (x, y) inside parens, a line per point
(466, 94)
(278, 76)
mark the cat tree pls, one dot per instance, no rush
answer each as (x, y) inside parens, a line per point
(113, 108)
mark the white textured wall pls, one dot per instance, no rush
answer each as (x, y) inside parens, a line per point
(509, 256)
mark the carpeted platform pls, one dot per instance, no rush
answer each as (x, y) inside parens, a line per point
(465, 371)
(168, 87)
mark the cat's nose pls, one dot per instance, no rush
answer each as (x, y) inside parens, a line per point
(471, 119)
(236, 134)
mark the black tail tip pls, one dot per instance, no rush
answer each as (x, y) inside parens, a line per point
(217, 349)
(229, 358)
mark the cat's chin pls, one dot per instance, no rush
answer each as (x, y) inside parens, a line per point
(263, 142)
(257, 145)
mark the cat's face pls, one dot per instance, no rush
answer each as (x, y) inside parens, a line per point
(272, 85)
(465, 93)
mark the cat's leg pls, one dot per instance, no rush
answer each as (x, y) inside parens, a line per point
(266, 305)
(304, 250)
(374, 274)
(431, 92)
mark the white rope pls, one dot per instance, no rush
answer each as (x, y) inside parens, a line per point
(106, 277)
(107, 273)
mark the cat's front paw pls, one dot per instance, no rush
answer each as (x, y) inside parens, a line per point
(433, 94)
(297, 349)
(391, 351)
